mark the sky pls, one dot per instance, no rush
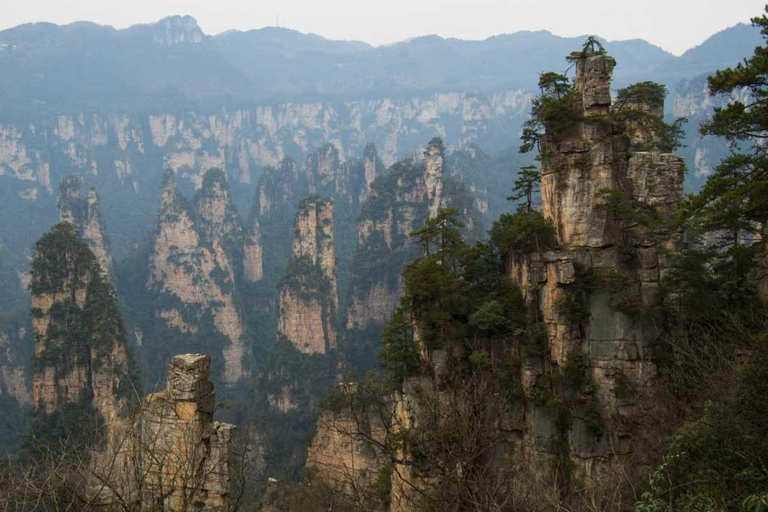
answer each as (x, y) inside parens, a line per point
(675, 25)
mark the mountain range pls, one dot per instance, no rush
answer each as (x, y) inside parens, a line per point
(85, 66)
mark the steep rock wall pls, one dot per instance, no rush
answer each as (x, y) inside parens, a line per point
(85, 215)
(196, 263)
(308, 302)
(609, 263)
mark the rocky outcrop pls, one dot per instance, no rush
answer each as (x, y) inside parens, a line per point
(308, 301)
(253, 255)
(607, 268)
(187, 453)
(81, 357)
(85, 215)
(195, 264)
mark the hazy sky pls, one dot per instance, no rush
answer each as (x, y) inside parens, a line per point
(675, 25)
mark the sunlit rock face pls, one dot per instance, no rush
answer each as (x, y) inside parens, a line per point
(596, 244)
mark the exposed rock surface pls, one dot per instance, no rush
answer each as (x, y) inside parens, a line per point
(599, 245)
(399, 202)
(341, 453)
(81, 357)
(187, 462)
(309, 294)
(85, 215)
(196, 261)
(14, 367)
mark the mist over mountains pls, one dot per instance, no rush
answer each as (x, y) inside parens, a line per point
(51, 68)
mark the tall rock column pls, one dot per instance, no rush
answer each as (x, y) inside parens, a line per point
(186, 452)
(195, 263)
(253, 254)
(81, 357)
(308, 300)
(434, 160)
(606, 269)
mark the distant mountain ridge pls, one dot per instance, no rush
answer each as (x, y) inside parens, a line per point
(85, 66)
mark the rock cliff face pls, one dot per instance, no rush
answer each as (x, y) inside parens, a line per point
(85, 215)
(309, 301)
(195, 266)
(81, 357)
(608, 263)
(342, 458)
(187, 462)
(14, 367)
(399, 202)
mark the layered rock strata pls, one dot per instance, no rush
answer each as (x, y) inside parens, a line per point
(81, 357)
(606, 270)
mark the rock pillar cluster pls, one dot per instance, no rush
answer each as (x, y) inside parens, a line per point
(85, 215)
(195, 264)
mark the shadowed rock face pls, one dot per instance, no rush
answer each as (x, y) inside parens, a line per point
(188, 453)
(308, 302)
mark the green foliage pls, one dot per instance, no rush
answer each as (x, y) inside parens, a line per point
(523, 233)
(733, 198)
(649, 93)
(641, 106)
(399, 355)
(720, 459)
(526, 186)
(490, 317)
(591, 47)
(575, 303)
(553, 111)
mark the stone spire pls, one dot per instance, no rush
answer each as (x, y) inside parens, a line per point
(89, 365)
(434, 158)
(85, 215)
(187, 462)
(308, 294)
